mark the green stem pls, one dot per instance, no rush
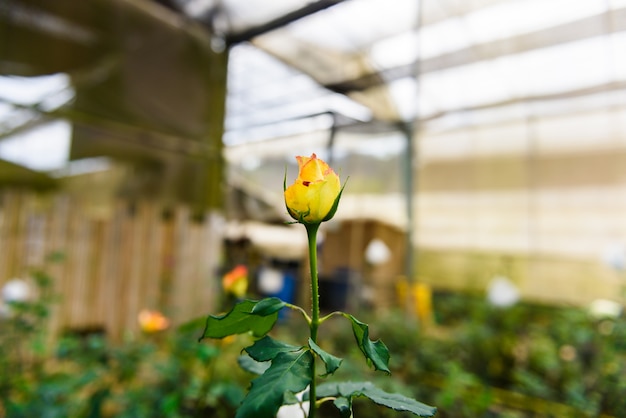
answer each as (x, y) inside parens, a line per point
(302, 311)
(311, 231)
(330, 315)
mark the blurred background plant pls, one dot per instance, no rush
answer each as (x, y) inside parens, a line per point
(475, 360)
(83, 374)
(480, 360)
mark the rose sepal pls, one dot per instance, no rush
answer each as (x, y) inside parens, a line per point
(333, 209)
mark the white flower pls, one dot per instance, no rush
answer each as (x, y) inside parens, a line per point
(377, 252)
(16, 290)
(502, 292)
(604, 308)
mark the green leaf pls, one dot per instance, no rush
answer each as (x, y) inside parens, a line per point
(290, 371)
(268, 306)
(332, 363)
(290, 398)
(395, 401)
(399, 402)
(374, 351)
(344, 405)
(238, 321)
(251, 365)
(268, 348)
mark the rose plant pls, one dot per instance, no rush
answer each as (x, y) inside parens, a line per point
(286, 370)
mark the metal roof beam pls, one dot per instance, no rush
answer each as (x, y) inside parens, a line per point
(589, 27)
(281, 21)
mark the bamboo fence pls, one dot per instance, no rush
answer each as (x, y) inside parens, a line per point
(112, 266)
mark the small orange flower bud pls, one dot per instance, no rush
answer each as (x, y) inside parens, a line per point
(235, 281)
(152, 321)
(314, 196)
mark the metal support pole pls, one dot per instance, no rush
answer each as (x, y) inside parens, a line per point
(409, 262)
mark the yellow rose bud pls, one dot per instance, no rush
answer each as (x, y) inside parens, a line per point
(314, 196)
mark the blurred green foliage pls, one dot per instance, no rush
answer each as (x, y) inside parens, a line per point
(477, 360)
(85, 375)
(528, 360)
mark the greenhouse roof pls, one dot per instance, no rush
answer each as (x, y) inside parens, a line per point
(299, 67)
(376, 60)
